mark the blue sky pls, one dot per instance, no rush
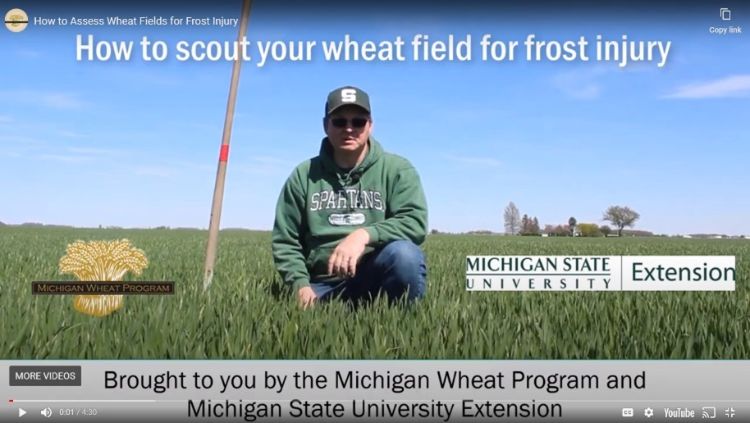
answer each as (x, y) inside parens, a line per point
(135, 144)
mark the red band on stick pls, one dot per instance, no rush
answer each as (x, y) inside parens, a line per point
(224, 153)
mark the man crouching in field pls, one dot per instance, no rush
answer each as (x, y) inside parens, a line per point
(349, 221)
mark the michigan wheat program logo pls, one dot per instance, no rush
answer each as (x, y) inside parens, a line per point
(97, 261)
(16, 20)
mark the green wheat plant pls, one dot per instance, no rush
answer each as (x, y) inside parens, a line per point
(248, 314)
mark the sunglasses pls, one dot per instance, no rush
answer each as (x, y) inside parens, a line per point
(355, 122)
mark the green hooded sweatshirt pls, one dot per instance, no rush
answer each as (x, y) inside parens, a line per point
(321, 204)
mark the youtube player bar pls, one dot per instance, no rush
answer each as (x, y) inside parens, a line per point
(382, 391)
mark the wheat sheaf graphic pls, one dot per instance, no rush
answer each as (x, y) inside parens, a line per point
(101, 261)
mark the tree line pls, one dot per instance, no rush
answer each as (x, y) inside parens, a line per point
(620, 217)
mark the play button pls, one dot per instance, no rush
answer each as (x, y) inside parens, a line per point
(21, 412)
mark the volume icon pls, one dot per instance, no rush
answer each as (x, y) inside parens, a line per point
(47, 412)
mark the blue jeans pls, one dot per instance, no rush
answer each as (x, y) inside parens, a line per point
(396, 269)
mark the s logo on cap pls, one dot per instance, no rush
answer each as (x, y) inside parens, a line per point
(349, 95)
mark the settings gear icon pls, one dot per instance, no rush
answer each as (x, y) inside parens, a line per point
(649, 412)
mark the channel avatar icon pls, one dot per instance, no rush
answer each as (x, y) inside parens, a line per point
(16, 20)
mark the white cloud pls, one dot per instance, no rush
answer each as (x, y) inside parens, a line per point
(97, 151)
(171, 168)
(583, 85)
(29, 54)
(21, 140)
(269, 160)
(730, 86)
(190, 166)
(70, 134)
(144, 77)
(158, 171)
(263, 165)
(51, 99)
(60, 100)
(65, 158)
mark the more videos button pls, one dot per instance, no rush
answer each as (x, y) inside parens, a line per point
(45, 376)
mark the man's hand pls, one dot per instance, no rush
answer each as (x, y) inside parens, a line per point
(343, 260)
(306, 297)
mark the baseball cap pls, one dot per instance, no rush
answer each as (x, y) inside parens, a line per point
(346, 96)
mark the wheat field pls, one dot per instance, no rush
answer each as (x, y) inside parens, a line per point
(248, 314)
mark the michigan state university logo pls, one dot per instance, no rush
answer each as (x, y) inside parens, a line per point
(349, 95)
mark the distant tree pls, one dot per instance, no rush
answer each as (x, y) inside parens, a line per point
(621, 217)
(636, 232)
(557, 230)
(434, 232)
(512, 219)
(572, 225)
(605, 230)
(562, 230)
(529, 226)
(480, 232)
(589, 229)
